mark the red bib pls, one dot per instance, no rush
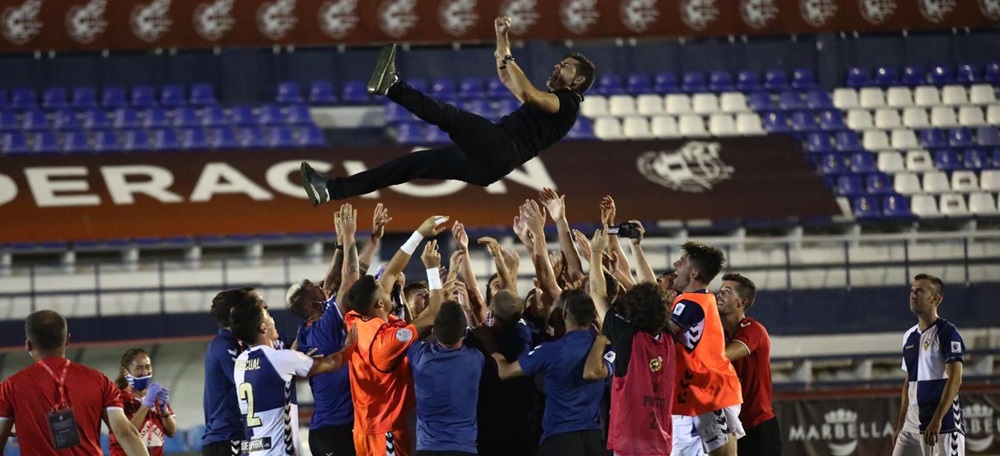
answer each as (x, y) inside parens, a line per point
(642, 400)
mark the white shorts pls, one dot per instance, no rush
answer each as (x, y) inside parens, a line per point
(687, 442)
(912, 444)
(699, 435)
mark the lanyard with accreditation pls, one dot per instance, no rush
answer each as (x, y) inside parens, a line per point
(62, 423)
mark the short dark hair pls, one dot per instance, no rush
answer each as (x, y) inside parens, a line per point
(745, 288)
(585, 68)
(489, 291)
(247, 317)
(932, 279)
(579, 306)
(450, 323)
(46, 329)
(611, 286)
(361, 296)
(706, 260)
(418, 285)
(224, 302)
(646, 306)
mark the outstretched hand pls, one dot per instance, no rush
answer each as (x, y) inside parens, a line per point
(431, 257)
(492, 245)
(599, 242)
(379, 220)
(608, 211)
(555, 203)
(348, 221)
(433, 226)
(461, 237)
(502, 25)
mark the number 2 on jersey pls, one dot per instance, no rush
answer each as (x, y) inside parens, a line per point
(246, 394)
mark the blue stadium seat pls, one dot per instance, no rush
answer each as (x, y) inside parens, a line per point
(193, 139)
(54, 98)
(44, 141)
(13, 142)
(748, 81)
(311, 136)
(776, 122)
(847, 141)
(321, 93)
(932, 138)
(886, 76)
(23, 98)
(790, 101)
(896, 206)
(913, 75)
(995, 160)
(270, 115)
(693, 81)
(289, 92)
(610, 84)
(775, 79)
(94, 119)
(857, 77)
(988, 136)
(760, 101)
(106, 141)
(135, 140)
(165, 139)
(34, 119)
(991, 73)
(819, 99)
(84, 98)
(202, 94)
(720, 81)
(947, 160)
(833, 163)
(4, 103)
(65, 119)
(396, 113)
(113, 97)
(879, 184)
(975, 158)
(242, 116)
(251, 138)
(154, 118)
(960, 137)
(186, 117)
(214, 116)
(862, 162)
(582, 129)
(940, 75)
(420, 84)
(849, 185)
(281, 137)
(866, 208)
(354, 92)
(831, 120)
(638, 84)
(223, 138)
(126, 118)
(968, 74)
(76, 141)
(143, 96)
(298, 114)
(804, 121)
(478, 107)
(172, 96)
(444, 89)
(664, 83)
(409, 133)
(434, 135)
(471, 87)
(803, 79)
(8, 120)
(495, 89)
(818, 142)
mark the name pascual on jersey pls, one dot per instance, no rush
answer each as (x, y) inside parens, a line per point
(248, 364)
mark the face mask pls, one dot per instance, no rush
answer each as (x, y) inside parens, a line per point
(138, 383)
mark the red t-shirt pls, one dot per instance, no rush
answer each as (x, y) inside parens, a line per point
(152, 431)
(28, 396)
(754, 371)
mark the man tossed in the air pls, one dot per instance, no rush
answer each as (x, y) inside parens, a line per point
(483, 152)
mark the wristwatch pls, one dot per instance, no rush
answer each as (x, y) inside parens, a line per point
(506, 58)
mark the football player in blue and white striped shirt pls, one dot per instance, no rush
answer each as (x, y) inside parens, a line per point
(930, 417)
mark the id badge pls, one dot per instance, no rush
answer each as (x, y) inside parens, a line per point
(65, 433)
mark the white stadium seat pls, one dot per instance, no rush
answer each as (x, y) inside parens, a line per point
(705, 103)
(596, 106)
(649, 105)
(887, 118)
(906, 183)
(749, 123)
(993, 114)
(733, 102)
(916, 118)
(989, 180)
(636, 128)
(971, 116)
(871, 98)
(875, 140)
(964, 182)
(954, 95)
(943, 117)
(918, 161)
(692, 126)
(677, 103)
(722, 125)
(890, 162)
(903, 139)
(621, 105)
(859, 119)
(845, 98)
(899, 97)
(983, 204)
(924, 206)
(936, 182)
(926, 96)
(982, 94)
(608, 128)
(953, 205)
(664, 127)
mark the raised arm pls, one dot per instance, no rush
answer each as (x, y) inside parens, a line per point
(556, 205)
(621, 269)
(331, 281)
(433, 226)
(513, 78)
(379, 220)
(644, 272)
(432, 262)
(535, 219)
(508, 278)
(477, 302)
(350, 272)
(599, 286)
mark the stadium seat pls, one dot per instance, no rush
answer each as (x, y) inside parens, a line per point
(890, 162)
(831, 164)
(95, 119)
(993, 114)
(154, 118)
(445, 89)
(354, 92)
(638, 84)
(886, 76)
(964, 181)
(818, 143)
(722, 125)
(477, 106)
(54, 98)
(918, 161)
(878, 184)
(720, 81)
(749, 124)
(172, 96)
(693, 81)
(896, 207)
(636, 128)
(65, 119)
(916, 118)
(164, 139)
(143, 96)
(4, 102)
(582, 129)
(847, 141)
(803, 79)
(664, 127)
(960, 137)
(748, 81)
(13, 142)
(967, 74)
(864, 162)
(849, 185)
(953, 205)
(126, 118)
(845, 98)
(677, 103)
(954, 95)
(992, 73)
(621, 105)
(193, 139)
(819, 99)
(906, 183)
(983, 204)
(971, 116)
(596, 106)
(214, 116)
(989, 180)
(887, 119)
(775, 79)
(924, 206)
(135, 140)
(831, 120)
(975, 158)
(705, 103)
(790, 101)
(281, 137)
(271, 115)
(859, 119)
(76, 141)
(44, 141)
(106, 141)
(113, 97)
(311, 136)
(84, 98)
(471, 87)
(733, 102)
(874, 140)
(608, 129)
(898, 97)
(223, 138)
(926, 96)
(507, 105)
(23, 98)
(610, 84)
(649, 105)
(495, 89)
(251, 138)
(940, 75)
(242, 116)
(202, 94)
(34, 119)
(935, 182)
(943, 117)
(988, 136)
(298, 114)
(947, 160)
(776, 122)
(692, 126)
(866, 208)
(871, 98)
(761, 101)
(321, 93)
(8, 120)
(982, 94)
(804, 121)
(858, 77)
(932, 138)
(289, 92)
(903, 139)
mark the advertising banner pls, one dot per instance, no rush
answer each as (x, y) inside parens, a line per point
(138, 195)
(76, 25)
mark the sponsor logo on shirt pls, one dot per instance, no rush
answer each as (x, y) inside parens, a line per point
(257, 444)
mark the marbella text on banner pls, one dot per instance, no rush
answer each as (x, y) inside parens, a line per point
(140, 195)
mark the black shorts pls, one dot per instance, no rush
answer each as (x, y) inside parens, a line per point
(332, 440)
(762, 440)
(225, 448)
(579, 443)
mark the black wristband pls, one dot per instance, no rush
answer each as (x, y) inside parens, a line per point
(339, 247)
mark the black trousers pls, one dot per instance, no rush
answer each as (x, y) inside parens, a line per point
(332, 441)
(482, 152)
(443, 453)
(762, 440)
(579, 443)
(226, 448)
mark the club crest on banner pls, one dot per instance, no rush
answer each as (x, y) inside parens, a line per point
(338, 18)
(936, 10)
(981, 427)
(213, 20)
(276, 19)
(578, 15)
(397, 17)
(990, 9)
(458, 16)
(758, 13)
(152, 20)
(817, 12)
(638, 15)
(85, 22)
(522, 13)
(694, 168)
(20, 23)
(698, 14)
(877, 11)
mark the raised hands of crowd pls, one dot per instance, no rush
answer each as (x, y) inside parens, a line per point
(556, 206)
(350, 270)
(380, 218)
(506, 271)
(476, 301)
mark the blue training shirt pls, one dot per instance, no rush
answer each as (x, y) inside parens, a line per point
(571, 404)
(331, 391)
(446, 381)
(925, 355)
(223, 422)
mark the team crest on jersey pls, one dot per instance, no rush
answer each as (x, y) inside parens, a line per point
(956, 347)
(404, 335)
(656, 364)
(927, 345)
